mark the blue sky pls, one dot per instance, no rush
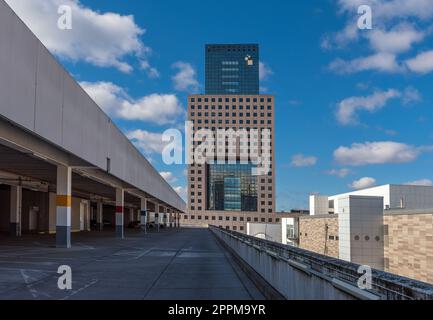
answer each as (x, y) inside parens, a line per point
(354, 107)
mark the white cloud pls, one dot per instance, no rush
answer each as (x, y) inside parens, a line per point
(341, 173)
(181, 191)
(398, 40)
(363, 183)
(151, 71)
(384, 62)
(300, 160)
(422, 63)
(398, 25)
(391, 9)
(147, 142)
(264, 71)
(102, 39)
(411, 95)
(368, 153)
(157, 108)
(186, 77)
(422, 182)
(348, 108)
(168, 176)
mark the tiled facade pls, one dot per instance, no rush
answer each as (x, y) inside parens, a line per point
(223, 112)
(409, 245)
(319, 234)
(408, 242)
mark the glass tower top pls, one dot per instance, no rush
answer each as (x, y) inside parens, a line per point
(232, 69)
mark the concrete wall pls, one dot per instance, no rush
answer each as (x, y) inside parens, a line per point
(37, 94)
(360, 230)
(313, 234)
(271, 232)
(409, 245)
(412, 197)
(381, 191)
(298, 274)
(319, 205)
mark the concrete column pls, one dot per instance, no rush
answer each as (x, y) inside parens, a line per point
(157, 216)
(120, 203)
(131, 215)
(178, 219)
(170, 218)
(100, 216)
(63, 207)
(165, 217)
(143, 215)
(16, 207)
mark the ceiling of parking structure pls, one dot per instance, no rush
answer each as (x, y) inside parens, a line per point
(26, 165)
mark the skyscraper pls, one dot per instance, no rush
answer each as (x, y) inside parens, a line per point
(232, 69)
(231, 193)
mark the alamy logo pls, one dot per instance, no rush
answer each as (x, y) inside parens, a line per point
(65, 20)
(222, 146)
(65, 280)
(365, 21)
(365, 282)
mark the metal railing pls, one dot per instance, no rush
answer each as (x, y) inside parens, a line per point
(385, 285)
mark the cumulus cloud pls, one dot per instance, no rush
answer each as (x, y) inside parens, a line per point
(398, 40)
(391, 9)
(147, 142)
(181, 191)
(264, 71)
(363, 183)
(399, 25)
(101, 39)
(341, 173)
(157, 108)
(168, 176)
(422, 182)
(382, 61)
(422, 63)
(186, 77)
(368, 153)
(301, 160)
(348, 108)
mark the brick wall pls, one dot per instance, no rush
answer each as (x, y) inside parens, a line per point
(319, 234)
(409, 245)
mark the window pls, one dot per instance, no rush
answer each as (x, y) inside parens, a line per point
(231, 187)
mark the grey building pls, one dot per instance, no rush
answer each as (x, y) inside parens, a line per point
(232, 69)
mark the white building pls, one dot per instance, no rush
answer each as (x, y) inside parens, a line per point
(394, 197)
(285, 232)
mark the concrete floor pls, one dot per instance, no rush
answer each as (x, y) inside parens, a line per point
(177, 264)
